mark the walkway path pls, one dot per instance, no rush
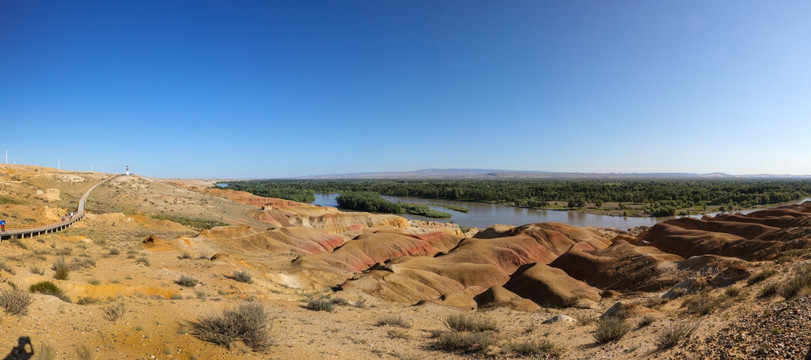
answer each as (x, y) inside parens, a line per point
(23, 232)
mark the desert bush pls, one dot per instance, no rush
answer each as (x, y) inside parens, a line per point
(46, 352)
(61, 269)
(339, 301)
(187, 281)
(763, 275)
(542, 349)
(48, 288)
(360, 303)
(393, 320)
(88, 300)
(610, 328)
(673, 334)
(799, 284)
(242, 276)
(65, 251)
(18, 243)
(114, 312)
(78, 264)
(585, 318)
(184, 256)
(769, 290)
(84, 353)
(732, 291)
(320, 305)
(7, 268)
(248, 323)
(397, 334)
(701, 304)
(461, 322)
(143, 260)
(645, 321)
(37, 270)
(114, 252)
(464, 342)
(15, 301)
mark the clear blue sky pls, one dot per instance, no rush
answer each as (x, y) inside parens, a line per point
(274, 89)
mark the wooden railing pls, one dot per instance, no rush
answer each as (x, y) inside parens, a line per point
(18, 231)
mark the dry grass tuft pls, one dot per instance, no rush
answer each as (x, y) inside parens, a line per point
(645, 321)
(461, 322)
(797, 285)
(114, 312)
(464, 342)
(673, 334)
(610, 328)
(763, 275)
(542, 349)
(393, 320)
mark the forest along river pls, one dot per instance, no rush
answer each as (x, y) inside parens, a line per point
(483, 215)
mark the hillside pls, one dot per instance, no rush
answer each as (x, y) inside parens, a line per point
(164, 255)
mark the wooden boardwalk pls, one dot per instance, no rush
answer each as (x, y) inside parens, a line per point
(26, 232)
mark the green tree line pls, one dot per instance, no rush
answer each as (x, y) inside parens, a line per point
(660, 196)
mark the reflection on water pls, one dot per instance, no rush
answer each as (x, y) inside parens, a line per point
(482, 215)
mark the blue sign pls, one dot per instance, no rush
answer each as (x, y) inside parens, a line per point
(2, 222)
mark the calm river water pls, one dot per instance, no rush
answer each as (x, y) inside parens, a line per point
(483, 215)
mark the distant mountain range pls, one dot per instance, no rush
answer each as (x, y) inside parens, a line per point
(519, 174)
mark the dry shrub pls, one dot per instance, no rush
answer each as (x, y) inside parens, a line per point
(242, 276)
(769, 290)
(114, 312)
(702, 303)
(645, 321)
(799, 284)
(611, 328)
(461, 322)
(46, 352)
(393, 320)
(247, 323)
(88, 301)
(339, 301)
(464, 342)
(37, 270)
(673, 334)
(763, 275)
(187, 281)
(78, 264)
(61, 269)
(320, 305)
(542, 349)
(15, 301)
(398, 334)
(585, 318)
(7, 268)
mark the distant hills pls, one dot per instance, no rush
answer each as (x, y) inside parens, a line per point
(520, 174)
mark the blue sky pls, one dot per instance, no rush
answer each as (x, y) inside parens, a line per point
(250, 89)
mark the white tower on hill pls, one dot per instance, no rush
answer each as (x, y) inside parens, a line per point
(128, 169)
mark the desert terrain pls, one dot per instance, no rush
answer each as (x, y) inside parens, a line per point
(156, 264)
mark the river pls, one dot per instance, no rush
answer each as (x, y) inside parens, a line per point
(483, 215)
